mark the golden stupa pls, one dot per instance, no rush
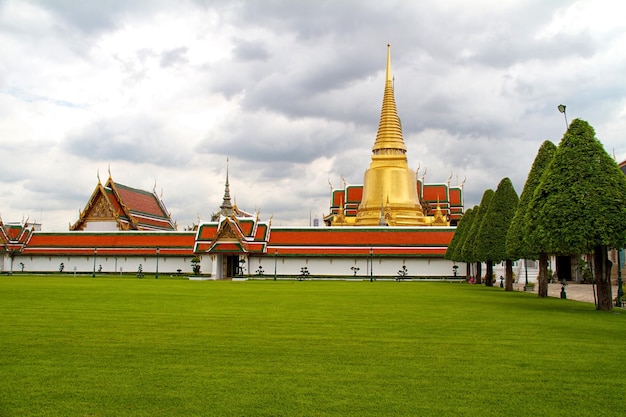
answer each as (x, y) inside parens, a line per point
(389, 187)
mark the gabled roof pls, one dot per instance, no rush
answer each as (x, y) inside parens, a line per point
(232, 235)
(130, 208)
(13, 236)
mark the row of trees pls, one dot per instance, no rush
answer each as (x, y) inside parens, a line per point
(573, 203)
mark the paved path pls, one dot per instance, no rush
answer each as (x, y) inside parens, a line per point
(578, 292)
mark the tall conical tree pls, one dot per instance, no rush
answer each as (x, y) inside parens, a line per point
(516, 239)
(460, 235)
(580, 205)
(469, 246)
(491, 241)
(516, 245)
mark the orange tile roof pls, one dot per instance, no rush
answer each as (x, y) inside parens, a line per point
(140, 201)
(111, 243)
(358, 241)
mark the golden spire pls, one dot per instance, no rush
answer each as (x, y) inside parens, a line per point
(389, 176)
(389, 137)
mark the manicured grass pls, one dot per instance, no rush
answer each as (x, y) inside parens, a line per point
(145, 347)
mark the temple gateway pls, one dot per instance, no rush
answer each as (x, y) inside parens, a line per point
(393, 225)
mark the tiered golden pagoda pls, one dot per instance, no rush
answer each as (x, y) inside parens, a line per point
(389, 187)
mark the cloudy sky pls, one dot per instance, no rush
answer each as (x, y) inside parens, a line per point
(163, 92)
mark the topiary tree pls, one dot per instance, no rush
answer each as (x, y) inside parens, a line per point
(516, 243)
(455, 247)
(491, 239)
(580, 205)
(469, 246)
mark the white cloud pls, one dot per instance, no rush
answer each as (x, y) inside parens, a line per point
(291, 93)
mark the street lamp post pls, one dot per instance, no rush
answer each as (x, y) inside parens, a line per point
(275, 254)
(561, 108)
(371, 264)
(95, 253)
(526, 271)
(156, 275)
(620, 290)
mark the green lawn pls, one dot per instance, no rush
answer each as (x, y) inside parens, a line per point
(145, 347)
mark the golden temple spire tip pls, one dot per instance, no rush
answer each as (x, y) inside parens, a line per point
(388, 76)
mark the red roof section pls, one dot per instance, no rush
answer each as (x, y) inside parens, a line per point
(108, 243)
(455, 196)
(434, 192)
(354, 241)
(355, 194)
(140, 201)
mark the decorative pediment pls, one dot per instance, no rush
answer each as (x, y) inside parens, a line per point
(229, 238)
(227, 232)
(101, 209)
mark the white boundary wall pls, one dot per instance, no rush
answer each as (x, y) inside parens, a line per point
(329, 266)
(211, 264)
(103, 264)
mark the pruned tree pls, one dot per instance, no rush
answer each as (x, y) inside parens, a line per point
(491, 239)
(517, 246)
(580, 205)
(469, 246)
(455, 247)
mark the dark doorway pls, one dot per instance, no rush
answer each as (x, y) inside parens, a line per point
(232, 266)
(564, 268)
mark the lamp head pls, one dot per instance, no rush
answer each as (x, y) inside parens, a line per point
(561, 108)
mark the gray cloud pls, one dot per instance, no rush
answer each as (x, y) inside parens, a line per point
(291, 93)
(136, 139)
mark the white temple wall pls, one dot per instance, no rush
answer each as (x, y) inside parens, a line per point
(101, 226)
(209, 265)
(327, 266)
(103, 264)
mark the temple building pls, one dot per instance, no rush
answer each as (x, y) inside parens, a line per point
(114, 206)
(391, 194)
(394, 224)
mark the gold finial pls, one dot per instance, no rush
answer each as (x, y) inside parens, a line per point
(98, 175)
(109, 169)
(389, 76)
(448, 182)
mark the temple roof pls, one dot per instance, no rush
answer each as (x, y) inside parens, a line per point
(363, 241)
(13, 236)
(130, 208)
(110, 243)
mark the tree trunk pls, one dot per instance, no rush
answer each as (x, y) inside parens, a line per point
(543, 275)
(489, 274)
(479, 272)
(508, 275)
(468, 271)
(602, 276)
